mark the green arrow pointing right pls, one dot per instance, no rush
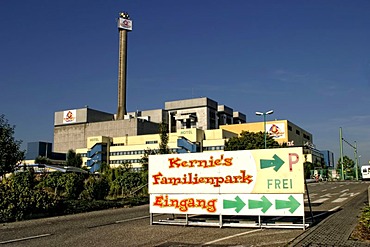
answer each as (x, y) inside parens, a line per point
(276, 163)
(293, 204)
(238, 204)
(265, 204)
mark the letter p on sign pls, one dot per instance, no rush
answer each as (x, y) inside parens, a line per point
(293, 159)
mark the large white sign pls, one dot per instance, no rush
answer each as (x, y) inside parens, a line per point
(248, 182)
(248, 171)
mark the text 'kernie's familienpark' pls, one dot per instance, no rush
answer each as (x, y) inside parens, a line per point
(191, 178)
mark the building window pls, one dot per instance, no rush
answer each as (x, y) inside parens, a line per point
(213, 148)
(290, 128)
(306, 136)
(297, 132)
(151, 142)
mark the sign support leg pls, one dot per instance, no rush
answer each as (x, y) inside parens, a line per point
(309, 201)
(259, 221)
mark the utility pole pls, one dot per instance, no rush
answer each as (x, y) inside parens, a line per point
(341, 151)
(355, 152)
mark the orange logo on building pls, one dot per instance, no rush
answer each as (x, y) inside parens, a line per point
(69, 117)
(275, 131)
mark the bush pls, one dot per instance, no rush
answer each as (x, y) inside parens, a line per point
(20, 199)
(25, 195)
(95, 188)
(81, 206)
(74, 185)
(68, 185)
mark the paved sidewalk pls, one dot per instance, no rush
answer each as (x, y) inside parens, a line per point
(337, 228)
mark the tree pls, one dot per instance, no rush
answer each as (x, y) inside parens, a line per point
(43, 160)
(10, 153)
(308, 167)
(251, 140)
(163, 134)
(347, 163)
(73, 159)
(145, 159)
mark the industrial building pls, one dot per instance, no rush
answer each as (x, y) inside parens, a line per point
(73, 127)
(97, 134)
(190, 133)
(194, 125)
(130, 149)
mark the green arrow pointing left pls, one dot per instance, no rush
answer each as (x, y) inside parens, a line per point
(238, 204)
(276, 163)
(293, 204)
(265, 204)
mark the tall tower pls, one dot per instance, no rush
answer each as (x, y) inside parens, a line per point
(124, 26)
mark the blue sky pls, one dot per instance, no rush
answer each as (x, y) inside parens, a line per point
(309, 61)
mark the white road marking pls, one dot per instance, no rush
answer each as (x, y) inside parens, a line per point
(341, 199)
(349, 194)
(137, 218)
(331, 210)
(334, 209)
(328, 195)
(26, 238)
(232, 236)
(320, 200)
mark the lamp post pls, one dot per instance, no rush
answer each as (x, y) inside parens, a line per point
(264, 121)
(356, 161)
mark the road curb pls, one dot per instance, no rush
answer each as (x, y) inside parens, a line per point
(336, 229)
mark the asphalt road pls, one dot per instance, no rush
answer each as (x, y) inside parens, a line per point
(131, 226)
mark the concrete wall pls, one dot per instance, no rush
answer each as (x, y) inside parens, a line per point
(157, 116)
(74, 136)
(190, 103)
(83, 115)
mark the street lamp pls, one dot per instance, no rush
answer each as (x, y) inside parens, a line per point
(264, 120)
(356, 160)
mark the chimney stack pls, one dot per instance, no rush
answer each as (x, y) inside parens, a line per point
(124, 26)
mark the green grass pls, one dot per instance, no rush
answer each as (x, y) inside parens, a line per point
(362, 231)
